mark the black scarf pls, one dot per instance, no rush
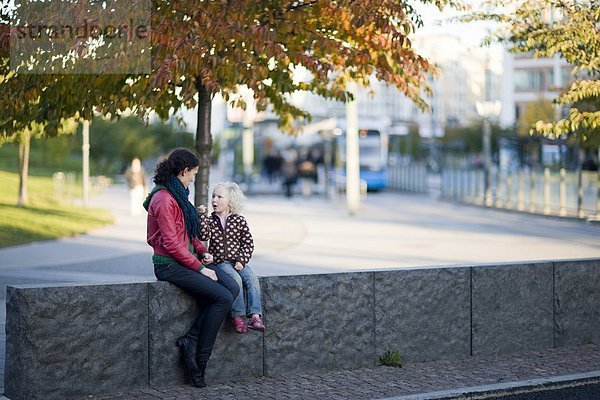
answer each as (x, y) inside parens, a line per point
(190, 214)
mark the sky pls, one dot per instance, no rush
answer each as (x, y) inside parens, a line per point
(436, 21)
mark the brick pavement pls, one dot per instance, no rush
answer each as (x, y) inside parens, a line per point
(384, 382)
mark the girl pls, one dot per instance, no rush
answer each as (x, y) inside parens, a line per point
(173, 229)
(231, 245)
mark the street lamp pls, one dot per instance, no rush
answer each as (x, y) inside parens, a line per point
(487, 110)
(85, 149)
(247, 117)
(352, 156)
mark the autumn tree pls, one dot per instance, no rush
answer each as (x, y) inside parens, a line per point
(52, 97)
(46, 105)
(563, 28)
(200, 49)
(204, 48)
(47, 80)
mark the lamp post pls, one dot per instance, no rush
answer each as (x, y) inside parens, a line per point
(248, 147)
(85, 149)
(352, 157)
(249, 117)
(487, 110)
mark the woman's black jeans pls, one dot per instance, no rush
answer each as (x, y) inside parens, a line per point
(214, 299)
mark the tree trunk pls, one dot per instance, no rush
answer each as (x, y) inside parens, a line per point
(23, 169)
(203, 143)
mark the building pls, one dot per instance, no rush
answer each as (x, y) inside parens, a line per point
(527, 79)
(467, 75)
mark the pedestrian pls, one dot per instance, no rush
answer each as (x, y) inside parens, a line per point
(180, 258)
(289, 171)
(231, 244)
(307, 170)
(272, 165)
(136, 180)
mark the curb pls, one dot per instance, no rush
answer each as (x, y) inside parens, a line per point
(514, 388)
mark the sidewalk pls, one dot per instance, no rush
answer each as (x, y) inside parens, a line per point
(126, 236)
(482, 375)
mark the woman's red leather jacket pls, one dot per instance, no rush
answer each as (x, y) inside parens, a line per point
(166, 231)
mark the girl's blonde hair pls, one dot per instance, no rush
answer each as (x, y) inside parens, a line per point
(234, 194)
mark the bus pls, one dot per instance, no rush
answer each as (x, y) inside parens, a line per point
(373, 156)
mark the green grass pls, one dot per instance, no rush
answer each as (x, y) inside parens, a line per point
(44, 217)
(42, 160)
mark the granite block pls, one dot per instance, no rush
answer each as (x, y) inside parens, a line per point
(318, 322)
(72, 340)
(171, 313)
(512, 308)
(424, 314)
(577, 302)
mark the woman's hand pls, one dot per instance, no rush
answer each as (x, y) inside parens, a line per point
(201, 209)
(209, 273)
(207, 258)
(238, 266)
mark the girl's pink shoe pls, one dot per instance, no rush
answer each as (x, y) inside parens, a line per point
(239, 325)
(256, 324)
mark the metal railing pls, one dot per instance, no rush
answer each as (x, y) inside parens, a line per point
(409, 177)
(544, 191)
(67, 187)
(64, 186)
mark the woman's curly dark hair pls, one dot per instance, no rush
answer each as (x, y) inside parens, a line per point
(177, 161)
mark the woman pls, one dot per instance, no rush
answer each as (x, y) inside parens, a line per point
(179, 257)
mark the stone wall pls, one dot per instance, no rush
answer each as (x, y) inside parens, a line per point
(75, 340)
(67, 340)
(512, 308)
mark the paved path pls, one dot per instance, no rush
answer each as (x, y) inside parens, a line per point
(398, 230)
(442, 378)
(313, 235)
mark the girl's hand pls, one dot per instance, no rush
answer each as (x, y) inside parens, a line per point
(238, 266)
(201, 209)
(209, 272)
(207, 258)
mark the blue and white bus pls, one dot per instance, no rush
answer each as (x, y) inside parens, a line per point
(373, 156)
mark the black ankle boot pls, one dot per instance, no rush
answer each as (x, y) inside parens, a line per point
(189, 347)
(198, 375)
